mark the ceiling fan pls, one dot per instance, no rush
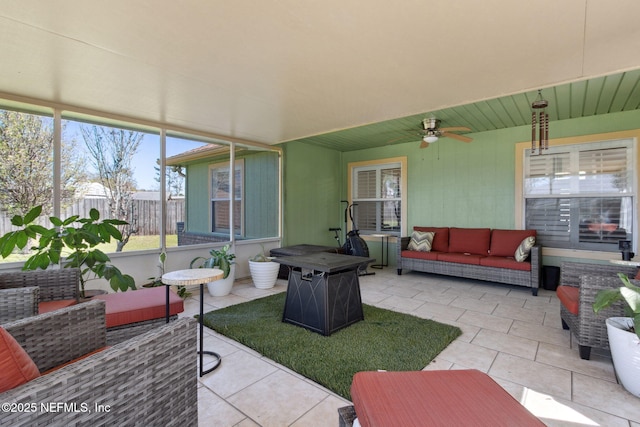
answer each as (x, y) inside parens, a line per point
(432, 131)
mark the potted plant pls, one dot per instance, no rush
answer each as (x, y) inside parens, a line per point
(157, 280)
(624, 332)
(264, 271)
(222, 259)
(78, 241)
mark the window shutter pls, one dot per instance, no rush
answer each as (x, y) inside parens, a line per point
(604, 171)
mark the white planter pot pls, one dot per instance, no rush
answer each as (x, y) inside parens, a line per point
(625, 352)
(264, 274)
(222, 287)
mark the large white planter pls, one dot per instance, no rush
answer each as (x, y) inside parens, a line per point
(222, 287)
(264, 274)
(625, 352)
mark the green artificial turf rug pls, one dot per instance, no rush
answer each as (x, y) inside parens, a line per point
(383, 340)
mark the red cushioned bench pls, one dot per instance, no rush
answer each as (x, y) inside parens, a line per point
(432, 398)
(134, 312)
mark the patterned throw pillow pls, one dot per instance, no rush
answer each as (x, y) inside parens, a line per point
(522, 252)
(421, 241)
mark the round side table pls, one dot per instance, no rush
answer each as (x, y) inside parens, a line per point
(196, 276)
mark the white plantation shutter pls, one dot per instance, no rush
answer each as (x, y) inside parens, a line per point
(581, 196)
(377, 196)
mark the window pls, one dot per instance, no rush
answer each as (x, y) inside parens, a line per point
(581, 196)
(220, 196)
(377, 191)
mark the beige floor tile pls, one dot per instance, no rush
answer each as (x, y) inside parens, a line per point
(611, 397)
(540, 333)
(563, 357)
(555, 382)
(480, 305)
(215, 411)
(518, 313)
(468, 355)
(487, 321)
(237, 371)
(401, 304)
(558, 412)
(445, 313)
(279, 399)
(323, 414)
(506, 343)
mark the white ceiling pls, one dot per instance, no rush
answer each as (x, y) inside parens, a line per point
(279, 70)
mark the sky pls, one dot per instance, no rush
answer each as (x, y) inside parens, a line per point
(145, 159)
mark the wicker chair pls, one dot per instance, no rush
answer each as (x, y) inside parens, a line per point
(589, 328)
(18, 303)
(52, 285)
(150, 379)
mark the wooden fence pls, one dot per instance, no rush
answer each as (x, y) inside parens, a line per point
(146, 215)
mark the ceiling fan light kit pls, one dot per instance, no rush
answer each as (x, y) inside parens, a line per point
(539, 124)
(431, 131)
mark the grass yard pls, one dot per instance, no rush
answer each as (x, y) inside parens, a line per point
(136, 243)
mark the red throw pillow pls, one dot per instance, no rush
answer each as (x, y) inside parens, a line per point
(16, 367)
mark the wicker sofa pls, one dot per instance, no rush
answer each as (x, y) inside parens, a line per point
(579, 284)
(474, 253)
(150, 379)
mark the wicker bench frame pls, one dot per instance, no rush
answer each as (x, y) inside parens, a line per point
(150, 379)
(529, 279)
(589, 328)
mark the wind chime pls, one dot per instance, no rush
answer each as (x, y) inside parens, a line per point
(539, 125)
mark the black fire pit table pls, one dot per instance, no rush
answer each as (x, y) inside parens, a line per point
(323, 294)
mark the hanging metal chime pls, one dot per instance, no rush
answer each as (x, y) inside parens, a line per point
(539, 125)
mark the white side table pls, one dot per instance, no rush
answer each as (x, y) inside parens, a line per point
(382, 263)
(196, 276)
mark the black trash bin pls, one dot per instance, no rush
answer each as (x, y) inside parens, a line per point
(550, 277)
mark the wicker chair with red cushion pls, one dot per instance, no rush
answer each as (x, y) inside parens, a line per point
(579, 284)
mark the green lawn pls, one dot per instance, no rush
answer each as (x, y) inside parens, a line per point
(136, 243)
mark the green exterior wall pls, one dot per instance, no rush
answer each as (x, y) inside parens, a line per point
(313, 188)
(451, 183)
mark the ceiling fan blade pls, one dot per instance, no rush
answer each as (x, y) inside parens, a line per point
(424, 144)
(455, 129)
(458, 137)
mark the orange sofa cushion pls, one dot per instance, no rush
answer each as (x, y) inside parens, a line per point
(124, 308)
(505, 242)
(47, 306)
(16, 366)
(431, 256)
(435, 398)
(472, 259)
(569, 296)
(440, 241)
(504, 262)
(470, 240)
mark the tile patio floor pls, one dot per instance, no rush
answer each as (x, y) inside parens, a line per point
(513, 336)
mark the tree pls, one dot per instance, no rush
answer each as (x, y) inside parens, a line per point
(174, 177)
(111, 152)
(26, 169)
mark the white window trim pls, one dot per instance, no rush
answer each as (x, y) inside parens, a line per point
(403, 182)
(583, 139)
(238, 164)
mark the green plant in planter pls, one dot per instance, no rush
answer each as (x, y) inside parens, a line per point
(220, 258)
(629, 293)
(261, 257)
(79, 241)
(156, 281)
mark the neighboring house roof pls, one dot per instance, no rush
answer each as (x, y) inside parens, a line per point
(92, 190)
